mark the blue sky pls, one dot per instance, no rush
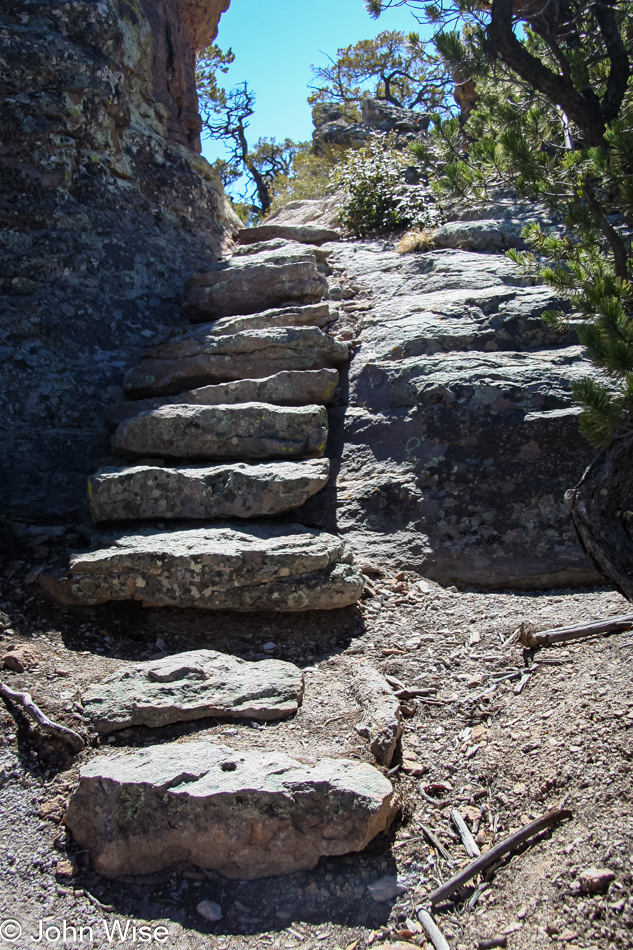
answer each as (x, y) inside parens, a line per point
(275, 43)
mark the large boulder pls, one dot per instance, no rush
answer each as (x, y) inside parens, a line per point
(283, 568)
(255, 283)
(253, 430)
(220, 491)
(251, 354)
(287, 388)
(385, 117)
(460, 436)
(191, 686)
(244, 814)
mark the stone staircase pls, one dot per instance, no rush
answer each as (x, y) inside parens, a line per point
(225, 420)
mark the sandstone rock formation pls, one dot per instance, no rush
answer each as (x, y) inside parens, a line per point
(219, 491)
(252, 430)
(220, 567)
(107, 207)
(246, 815)
(190, 686)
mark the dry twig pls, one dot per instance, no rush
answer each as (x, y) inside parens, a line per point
(467, 839)
(47, 725)
(491, 857)
(433, 932)
(576, 632)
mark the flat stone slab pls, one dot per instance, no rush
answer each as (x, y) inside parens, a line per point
(314, 315)
(191, 686)
(255, 283)
(250, 354)
(244, 814)
(253, 430)
(287, 388)
(304, 233)
(220, 491)
(282, 568)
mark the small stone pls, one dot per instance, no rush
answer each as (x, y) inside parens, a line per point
(413, 767)
(385, 889)
(595, 880)
(209, 910)
(568, 935)
(269, 647)
(552, 929)
(67, 869)
(20, 659)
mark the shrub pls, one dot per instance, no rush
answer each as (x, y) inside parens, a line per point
(376, 196)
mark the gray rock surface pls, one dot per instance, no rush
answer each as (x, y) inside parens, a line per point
(313, 315)
(321, 212)
(252, 430)
(221, 491)
(109, 209)
(191, 686)
(245, 814)
(459, 438)
(304, 234)
(283, 568)
(251, 354)
(287, 388)
(249, 285)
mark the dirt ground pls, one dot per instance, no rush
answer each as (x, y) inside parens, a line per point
(503, 751)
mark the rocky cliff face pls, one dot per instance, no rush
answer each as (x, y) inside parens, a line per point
(106, 207)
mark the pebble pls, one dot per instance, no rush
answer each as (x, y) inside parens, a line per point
(269, 647)
(210, 910)
(385, 889)
(595, 880)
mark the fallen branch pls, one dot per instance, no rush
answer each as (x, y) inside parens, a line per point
(432, 931)
(491, 857)
(47, 725)
(437, 844)
(467, 839)
(577, 632)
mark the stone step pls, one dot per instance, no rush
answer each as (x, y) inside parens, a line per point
(287, 388)
(303, 233)
(251, 354)
(246, 814)
(254, 283)
(282, 568)
(252, 430)
(191, 686)
(221, 491)
(314, 315)
(322, 254)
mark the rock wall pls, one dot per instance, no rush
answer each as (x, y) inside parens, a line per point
(106, 207)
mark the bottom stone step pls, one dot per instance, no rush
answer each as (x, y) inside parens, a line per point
(244, 814)
(283, 568)
(236, 490)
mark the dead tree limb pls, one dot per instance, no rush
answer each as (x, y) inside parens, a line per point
(47, 725)
(432, 931)
(599, 509)
(562, 634)
(491, 857)
(468, 841)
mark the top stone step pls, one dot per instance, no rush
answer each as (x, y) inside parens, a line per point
(254, 283)
(303, 233)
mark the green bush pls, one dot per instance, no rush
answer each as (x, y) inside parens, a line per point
(376, 196)
(310, 177)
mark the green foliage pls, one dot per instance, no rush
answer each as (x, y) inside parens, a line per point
(375, 194)
(309, 176)
(394, 67)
